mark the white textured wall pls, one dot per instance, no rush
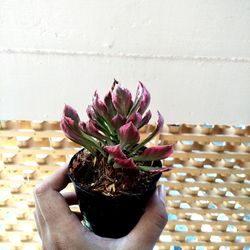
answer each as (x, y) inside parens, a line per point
(193, 55)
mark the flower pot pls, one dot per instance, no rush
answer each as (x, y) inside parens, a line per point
(111, 216)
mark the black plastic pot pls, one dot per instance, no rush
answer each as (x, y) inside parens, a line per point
(111, 216)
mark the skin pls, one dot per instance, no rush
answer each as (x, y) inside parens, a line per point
(61, 229)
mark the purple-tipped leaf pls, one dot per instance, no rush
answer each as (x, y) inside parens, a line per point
(115, 151)
(145, 99)
(145, 119)
(159, 126)
(96, 119)
(155, 153)
(90, 127)
(118, 120)
(138, 99)
(76, 133)
(125, 163)
(82, 126)
(92, 130)
(100, 107)
(71, 113)
(160, 123)
(109, 104)
(72, 132)
(135, 118)
(122, 99)
(87, 127)
(90, 112)
(128, 134)
(68, 121)
(67, 125)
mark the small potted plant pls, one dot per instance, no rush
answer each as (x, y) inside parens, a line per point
(115, 174)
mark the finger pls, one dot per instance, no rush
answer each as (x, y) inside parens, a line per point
(39, 218)
(57, 181)
(38, 226)
(78, 215)
(152, 222)
(70, 198)
(40, 223)
(51, 203)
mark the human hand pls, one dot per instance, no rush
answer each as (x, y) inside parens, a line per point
(61, 229)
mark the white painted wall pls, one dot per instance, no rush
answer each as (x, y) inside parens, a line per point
(193, 55)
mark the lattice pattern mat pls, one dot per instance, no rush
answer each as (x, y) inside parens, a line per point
(208, 191)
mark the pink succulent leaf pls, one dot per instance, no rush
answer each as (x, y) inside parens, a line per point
(145, 119)
(69, 134)
(128, 134)
(145, 99)
(71, 113)
(122, 99)
(137, 101)
(155, 153)
(100, 107)
(102, 124)
(160, 123)
(91, 113)
(154, 169)
(125, 163)
(159, 126)
(68, 127)
(92, 130)
(139, 91)
(68, 121)
(77, 135)
(82, 126)
(109, 104)
(90, 127)
(74, 130)
(118, 120)
(115, 151)
(66, 124)
(95, 118)
(136, 118)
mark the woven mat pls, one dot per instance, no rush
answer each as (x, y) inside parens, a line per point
(208, 190)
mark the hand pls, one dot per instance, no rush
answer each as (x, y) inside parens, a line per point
(60, 228)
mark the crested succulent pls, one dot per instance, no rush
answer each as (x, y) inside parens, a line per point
(112, 131)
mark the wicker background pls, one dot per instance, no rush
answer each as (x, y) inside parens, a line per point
(208, 191)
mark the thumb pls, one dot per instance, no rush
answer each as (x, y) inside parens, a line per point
(153, 221)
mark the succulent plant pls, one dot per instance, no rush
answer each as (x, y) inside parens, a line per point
(112, 131)
(116, 172)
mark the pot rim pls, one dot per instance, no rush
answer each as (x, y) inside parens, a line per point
(94, 193)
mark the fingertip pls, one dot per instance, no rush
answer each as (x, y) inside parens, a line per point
(161, 193)
(153, 221)
(59, 179)
(39, 189)
(157, 208)
(157, 199)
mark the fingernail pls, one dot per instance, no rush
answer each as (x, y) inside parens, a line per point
(162, 193)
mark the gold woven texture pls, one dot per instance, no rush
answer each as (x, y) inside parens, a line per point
(208, 190)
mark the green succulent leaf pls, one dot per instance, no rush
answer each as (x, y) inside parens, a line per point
(154, 169)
